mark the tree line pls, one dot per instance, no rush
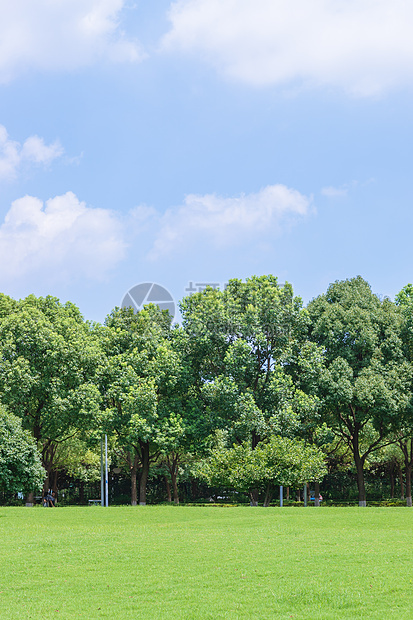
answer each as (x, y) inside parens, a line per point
(251, 391)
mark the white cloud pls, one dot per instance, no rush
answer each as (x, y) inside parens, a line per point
(63, 35)
(363, 46)
(33, 150)
(62, 239)
(228, 221)
(334, 192)
(343, 190)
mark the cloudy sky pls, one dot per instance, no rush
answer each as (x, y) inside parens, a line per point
(199, 140)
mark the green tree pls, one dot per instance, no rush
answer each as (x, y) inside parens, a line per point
(48, 359)
(247, 344)
(365, 385)
(20, 467)
(186, 440)
(136, 381)
(404, 437)
(79, 458)
(278, 461)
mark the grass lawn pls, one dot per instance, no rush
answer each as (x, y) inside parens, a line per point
(193, 562)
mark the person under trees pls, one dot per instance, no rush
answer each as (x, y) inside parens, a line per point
(365, 384)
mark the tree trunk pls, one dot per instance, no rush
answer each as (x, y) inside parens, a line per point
(316, 493)
(46, 483)
(359, 463)
(48, 456)
(288, 494)
(254, 497)
(133, 470)
(391, 474)
(408, 472)
(168, 490)
(268, 496)
(134, 489)
(408, 463)
(30, 499)
(55, 477)
(360, 481)
(144, 473)
(172, 463)
(255, 440)
(175, 487)
(194, 488)
(401, 483)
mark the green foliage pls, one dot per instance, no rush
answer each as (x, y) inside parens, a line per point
(245, 343)
(404, 299)
(138, 381)
(366, 375)
(405, 296)
(280, 461)
(78, 460)
(365, 385)
(140, 370)
(20, 467)
(48, 359)
(249, 362)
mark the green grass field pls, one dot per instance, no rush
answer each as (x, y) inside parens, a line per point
(193, 562)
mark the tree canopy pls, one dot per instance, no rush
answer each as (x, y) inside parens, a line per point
(292, 391)
(20, 466)
(48, 359)
(365, 383)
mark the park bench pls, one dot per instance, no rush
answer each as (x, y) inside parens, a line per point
(94, 502)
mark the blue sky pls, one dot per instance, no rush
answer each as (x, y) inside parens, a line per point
(200, 140)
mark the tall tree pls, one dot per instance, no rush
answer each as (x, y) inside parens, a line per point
(48, 358)
(404, 300)
(245, 343)
(136, 382)
(365, 384)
